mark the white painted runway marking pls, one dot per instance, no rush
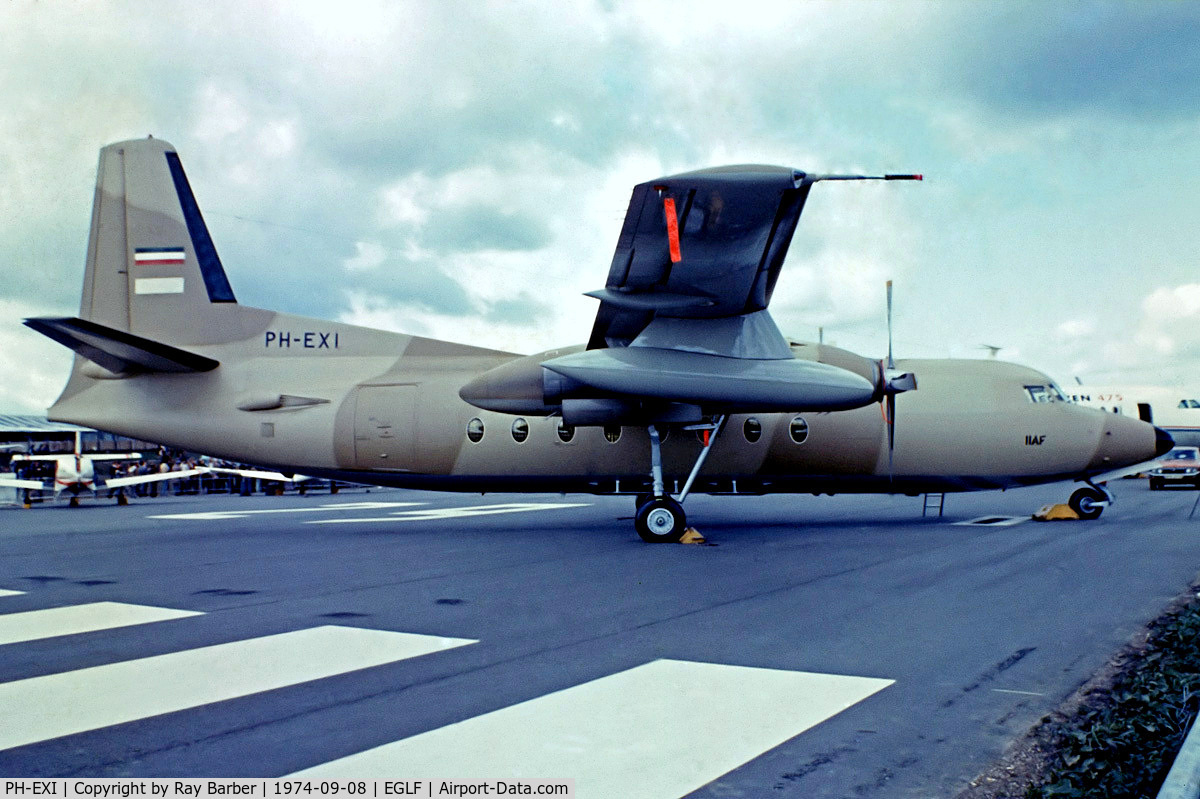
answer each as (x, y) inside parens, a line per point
(40, 708)
(6, 592)
(210, 515)
(993, 521)
(35, 624)
(1011, 691)
(659, 730)
(456, 513)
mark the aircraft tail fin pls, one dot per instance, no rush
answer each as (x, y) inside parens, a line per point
(152, 269)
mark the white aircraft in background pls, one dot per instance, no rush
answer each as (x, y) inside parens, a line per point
(75, 472)
(1175, 410)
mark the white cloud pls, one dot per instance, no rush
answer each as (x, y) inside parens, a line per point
(369, 255)
(382, 137)
(35, 369)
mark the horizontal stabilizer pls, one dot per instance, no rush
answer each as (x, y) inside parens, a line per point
(118, 351)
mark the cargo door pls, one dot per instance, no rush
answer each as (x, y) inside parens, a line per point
(384, 427)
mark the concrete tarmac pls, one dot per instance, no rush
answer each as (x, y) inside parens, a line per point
(817, 647)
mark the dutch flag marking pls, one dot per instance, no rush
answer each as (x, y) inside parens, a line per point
(147, 256)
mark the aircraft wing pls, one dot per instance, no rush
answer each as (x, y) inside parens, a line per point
(683, 327)
(258, 474)
(699, 245)
(16, 482)
(154, 477)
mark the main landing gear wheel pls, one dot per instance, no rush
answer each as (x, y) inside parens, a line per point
(660, 521)
(1088, 503)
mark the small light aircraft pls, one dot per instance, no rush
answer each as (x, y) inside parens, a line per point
(75, 472)
(686, 384)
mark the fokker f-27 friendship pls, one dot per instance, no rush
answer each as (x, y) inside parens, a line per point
(686, 384)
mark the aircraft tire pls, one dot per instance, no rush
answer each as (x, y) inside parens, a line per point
(660, 521)
(1086, 503)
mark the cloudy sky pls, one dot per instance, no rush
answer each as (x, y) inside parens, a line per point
(461, 169)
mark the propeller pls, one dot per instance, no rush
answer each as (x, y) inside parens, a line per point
(893, 382)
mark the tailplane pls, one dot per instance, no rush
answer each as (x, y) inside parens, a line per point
(119, 352)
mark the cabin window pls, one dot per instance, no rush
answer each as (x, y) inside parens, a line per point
(565, 431)
(752, 430)
(612, 432)
(1189, 403)
(475, 430)
(520, 430)
(798, 430)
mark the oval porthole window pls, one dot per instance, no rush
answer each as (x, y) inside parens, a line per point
(799, 430)
(612, 432)
(520, 430)
(565, 432)
(752, 430)
(475, 430)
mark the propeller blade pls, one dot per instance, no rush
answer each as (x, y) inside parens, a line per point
(891, 426)
(891, 363)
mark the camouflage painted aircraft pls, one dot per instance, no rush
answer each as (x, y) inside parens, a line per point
(686, 384)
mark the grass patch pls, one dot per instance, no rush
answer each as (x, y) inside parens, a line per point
(1119, 734)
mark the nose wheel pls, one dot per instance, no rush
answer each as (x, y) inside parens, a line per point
(1088, 503)
(660, 521)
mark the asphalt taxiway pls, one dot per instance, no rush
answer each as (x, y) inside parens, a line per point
(818, 647)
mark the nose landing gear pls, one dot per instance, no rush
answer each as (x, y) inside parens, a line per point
(1089, 502)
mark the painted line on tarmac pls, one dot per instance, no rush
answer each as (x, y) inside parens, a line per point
(34, 625)
(210, 515)
(992, 521)
(7, 592)
(465, 512)
(40, 708)
(659, 730)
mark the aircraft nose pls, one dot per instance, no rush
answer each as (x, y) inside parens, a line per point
(1163, 443)
(1125, 441)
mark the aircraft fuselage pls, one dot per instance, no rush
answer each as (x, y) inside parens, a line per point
(337, 400)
